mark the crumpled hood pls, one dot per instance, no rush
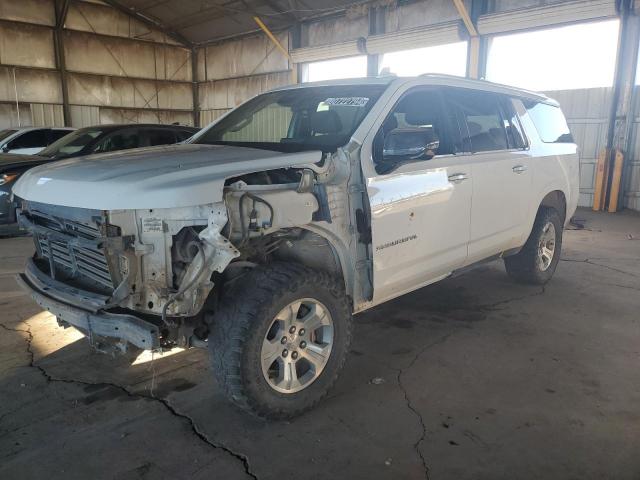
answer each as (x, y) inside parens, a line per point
(156, 177)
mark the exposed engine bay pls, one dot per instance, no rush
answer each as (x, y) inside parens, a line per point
(170, 266)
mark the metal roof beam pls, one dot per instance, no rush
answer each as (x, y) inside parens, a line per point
(150, 22)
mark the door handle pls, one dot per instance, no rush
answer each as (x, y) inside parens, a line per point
(457, 177)
(519, 169)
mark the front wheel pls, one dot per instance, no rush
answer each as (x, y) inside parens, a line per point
(280, 338)
(537, 261)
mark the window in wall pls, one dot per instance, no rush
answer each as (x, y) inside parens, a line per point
(351, 67)
(564, 58)
(450, 59)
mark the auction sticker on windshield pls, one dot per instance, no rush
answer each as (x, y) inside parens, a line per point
(347, 101)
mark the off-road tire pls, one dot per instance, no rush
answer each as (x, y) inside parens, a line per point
(238, 328)
(524, 267)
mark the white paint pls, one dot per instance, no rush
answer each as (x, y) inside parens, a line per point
(430, 226)
(157, 177)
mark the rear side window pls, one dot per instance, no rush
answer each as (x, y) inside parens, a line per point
(549, 121)
(482, 123)
(31, 139)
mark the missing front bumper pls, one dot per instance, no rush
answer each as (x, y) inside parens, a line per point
(81, 310)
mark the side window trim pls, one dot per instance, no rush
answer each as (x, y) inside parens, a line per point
(510, 113)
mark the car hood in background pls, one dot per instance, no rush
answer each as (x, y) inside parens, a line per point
(12, 160)
(155, 177)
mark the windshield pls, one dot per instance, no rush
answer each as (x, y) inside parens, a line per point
(310, 118)
(6, 133)
(72, 143)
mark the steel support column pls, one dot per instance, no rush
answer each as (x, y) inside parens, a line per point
(62, 7)
(622, 100)
(478, 45)
(376, 27)
(296, 42)
(194, 83)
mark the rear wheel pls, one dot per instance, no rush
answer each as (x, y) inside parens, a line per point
(537, 261)
(280, 338)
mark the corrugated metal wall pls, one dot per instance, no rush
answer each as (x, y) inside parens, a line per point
(631, 175)
(119, 70)
(587, 112)
(236, 70)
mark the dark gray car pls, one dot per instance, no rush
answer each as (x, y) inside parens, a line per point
(85, 141)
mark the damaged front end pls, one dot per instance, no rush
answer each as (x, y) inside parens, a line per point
(122, 277)
(150, 277)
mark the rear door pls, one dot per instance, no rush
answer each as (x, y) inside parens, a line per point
(501, 170)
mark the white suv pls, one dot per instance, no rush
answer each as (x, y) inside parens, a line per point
(262, 236)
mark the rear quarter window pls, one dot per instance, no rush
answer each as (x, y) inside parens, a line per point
(549, 122)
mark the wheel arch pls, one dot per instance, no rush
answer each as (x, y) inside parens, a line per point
(322, 250)
(557, 200)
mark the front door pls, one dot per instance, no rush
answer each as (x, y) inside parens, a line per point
(420, 202)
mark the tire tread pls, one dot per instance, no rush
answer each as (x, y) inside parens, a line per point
(240, 310)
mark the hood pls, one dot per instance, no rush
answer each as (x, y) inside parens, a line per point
(156, 177)
(12, 160)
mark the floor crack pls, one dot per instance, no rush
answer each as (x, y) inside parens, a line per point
(410, 406)
(591, 262)
(163, 401)
(492, 306)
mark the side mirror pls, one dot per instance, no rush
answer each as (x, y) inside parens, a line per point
(403, 144)
(5, 148)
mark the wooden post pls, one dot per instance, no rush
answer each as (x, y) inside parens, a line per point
(602, 176)
(616, 180)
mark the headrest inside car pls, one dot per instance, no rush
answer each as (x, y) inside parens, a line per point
(325, 122)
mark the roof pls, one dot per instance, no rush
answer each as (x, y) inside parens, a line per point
(386, 80)
(439, 79)
(196, 22)
(118, 126)
(28, 129)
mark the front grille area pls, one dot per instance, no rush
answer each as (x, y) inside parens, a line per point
(72, 248)
(79, 261)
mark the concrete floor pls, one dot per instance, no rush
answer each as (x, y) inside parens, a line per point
(474, 377)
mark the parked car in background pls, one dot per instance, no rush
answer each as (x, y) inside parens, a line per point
(85, 141)
(28, 141)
